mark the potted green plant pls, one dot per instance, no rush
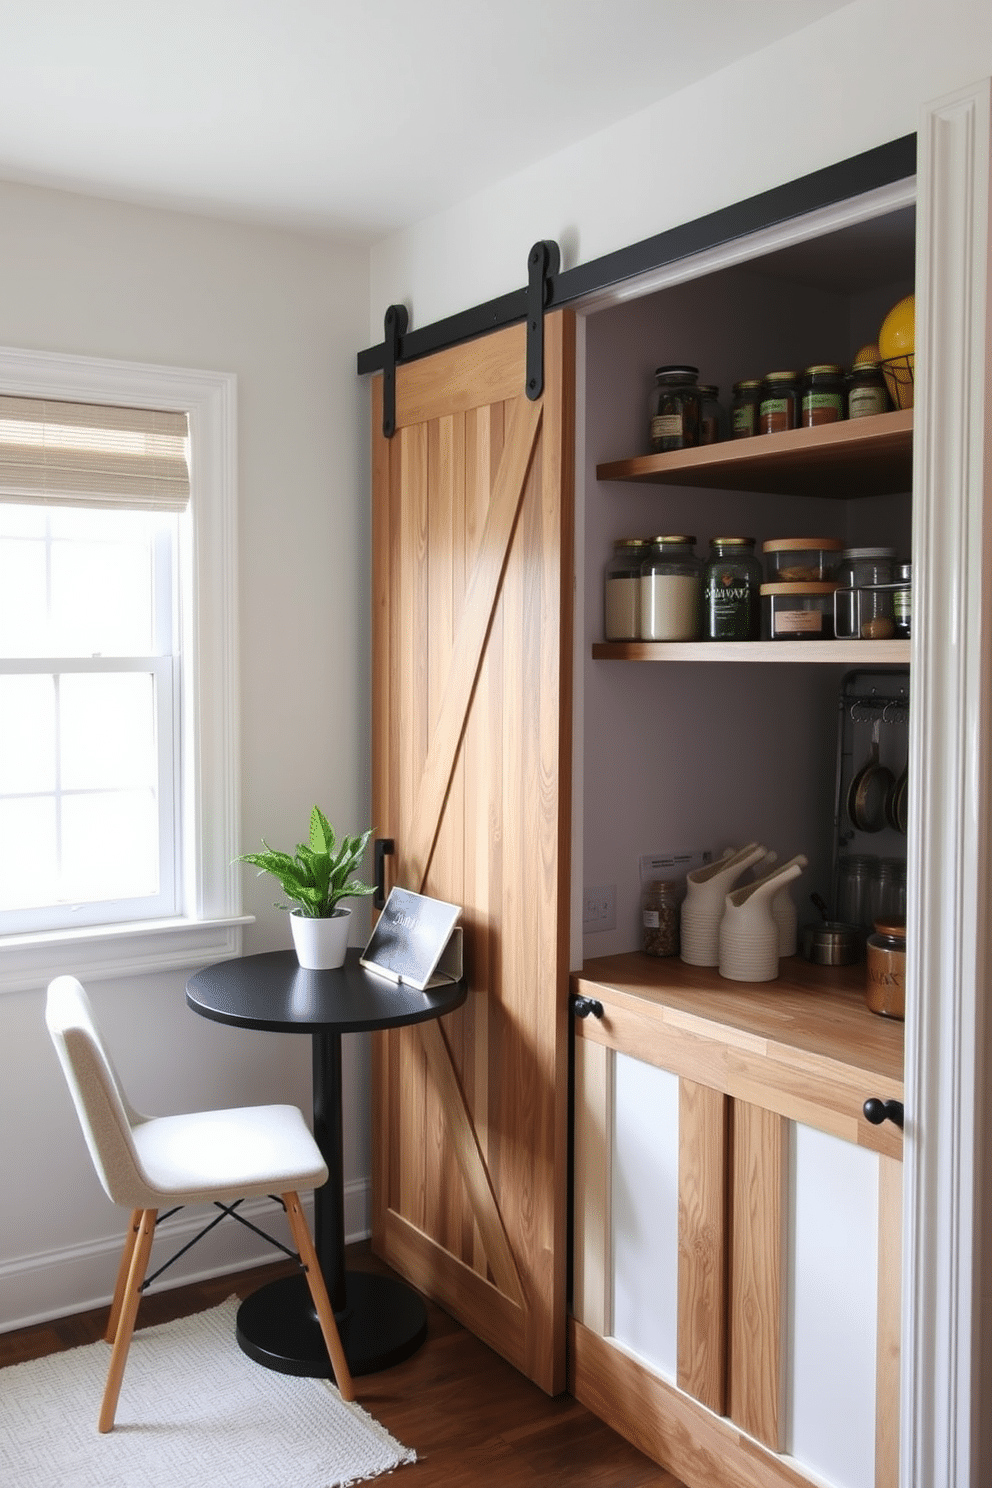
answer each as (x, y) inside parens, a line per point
(315, 879)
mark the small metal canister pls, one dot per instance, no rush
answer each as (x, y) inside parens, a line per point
(886, 955)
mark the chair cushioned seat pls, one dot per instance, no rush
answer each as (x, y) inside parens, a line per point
(239, 1153)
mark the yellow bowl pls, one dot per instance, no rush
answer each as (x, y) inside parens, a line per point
(898, 372)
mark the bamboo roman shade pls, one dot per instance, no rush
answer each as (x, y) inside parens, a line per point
(82, 454)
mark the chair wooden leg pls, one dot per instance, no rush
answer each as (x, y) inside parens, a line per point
(130, 1240)
(141, 1249)
(318, 1290)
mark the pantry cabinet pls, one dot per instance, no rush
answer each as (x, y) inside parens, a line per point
(718, 1131)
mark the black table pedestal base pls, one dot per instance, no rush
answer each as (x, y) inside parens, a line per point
(383, 1323)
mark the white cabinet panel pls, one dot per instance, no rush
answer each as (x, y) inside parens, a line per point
(833, 1306)
(645, 1212)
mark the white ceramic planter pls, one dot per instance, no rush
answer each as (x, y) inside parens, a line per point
(321, 945)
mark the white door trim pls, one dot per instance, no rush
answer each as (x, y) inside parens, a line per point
(948, 974)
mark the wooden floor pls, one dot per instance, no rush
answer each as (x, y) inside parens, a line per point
(473, 1421)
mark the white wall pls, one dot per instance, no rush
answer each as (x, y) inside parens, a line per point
(286, 314)
(853, 80)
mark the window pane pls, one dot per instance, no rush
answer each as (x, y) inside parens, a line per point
(28, 871)
(110, 845)
(23, 597)
(101, 599)
(108, 731)
(27, 735)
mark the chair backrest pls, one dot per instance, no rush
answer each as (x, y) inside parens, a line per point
(104, 1111)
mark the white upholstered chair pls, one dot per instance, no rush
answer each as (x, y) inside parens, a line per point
(145, 1163)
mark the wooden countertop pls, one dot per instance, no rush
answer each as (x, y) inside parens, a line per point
(804, 1045)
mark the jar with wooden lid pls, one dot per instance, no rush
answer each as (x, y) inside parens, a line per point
(824, 399)
(674, 409)
(744, 410)
(794, 560)
(886, 953)
(671, 590)
(798, 612)
(780, 398)
(622, 590)
(660, 913)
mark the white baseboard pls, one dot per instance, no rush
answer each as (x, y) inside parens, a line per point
(57, 1283)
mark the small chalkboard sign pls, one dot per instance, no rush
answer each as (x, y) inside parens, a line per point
(416, 941)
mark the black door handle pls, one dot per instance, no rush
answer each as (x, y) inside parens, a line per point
(583, 1007)
(384, 847)
(876, 1111)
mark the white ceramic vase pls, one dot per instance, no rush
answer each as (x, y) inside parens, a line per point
(703, 905)
(321, 945)
(749, 932)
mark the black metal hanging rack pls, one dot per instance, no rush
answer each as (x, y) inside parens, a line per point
(550, 289)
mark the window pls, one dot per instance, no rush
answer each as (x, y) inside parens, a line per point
(118, 757)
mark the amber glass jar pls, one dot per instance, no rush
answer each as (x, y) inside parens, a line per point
(780, 397)
(886, 953)
(674, 409)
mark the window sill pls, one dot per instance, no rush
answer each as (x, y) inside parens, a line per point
(101, 952)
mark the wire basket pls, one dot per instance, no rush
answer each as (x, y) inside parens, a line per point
(898, 373)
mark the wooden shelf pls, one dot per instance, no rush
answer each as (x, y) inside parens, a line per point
(860, 457)
(844, 653)
(806, 1044)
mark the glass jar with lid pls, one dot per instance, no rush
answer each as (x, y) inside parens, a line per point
(660, 914)
(779, 407)
(902, 601)
(824, 399)
(744, 409)
(864, 599)
(622, 590)
(671, 590)
(855, 872)
(866, 391)
(712, 420)
(732, 591)
(674, 409)
(886, 956)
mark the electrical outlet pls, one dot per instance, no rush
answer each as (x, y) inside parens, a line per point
(599, 909)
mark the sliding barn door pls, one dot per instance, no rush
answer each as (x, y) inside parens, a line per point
(473, 583)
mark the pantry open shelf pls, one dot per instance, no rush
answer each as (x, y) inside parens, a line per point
(857, 457)
(845, 653)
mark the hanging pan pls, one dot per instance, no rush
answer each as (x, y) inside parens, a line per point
(868, 792)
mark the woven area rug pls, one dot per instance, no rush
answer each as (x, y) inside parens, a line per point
(194, 1410)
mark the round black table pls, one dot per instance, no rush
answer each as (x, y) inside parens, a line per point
(381, 1320)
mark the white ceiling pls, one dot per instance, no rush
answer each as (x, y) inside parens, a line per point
(347, 117)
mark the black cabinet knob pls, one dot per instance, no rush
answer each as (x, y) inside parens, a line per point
(584, 1007)
(876, 1111)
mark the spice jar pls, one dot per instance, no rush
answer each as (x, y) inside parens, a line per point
(674, 409)
(886, 953)
(732, 591)
(660, 911)
(824, 398)
(779, 407)
(902, 601)
(622, 590)
(744, 410)
(711, 417)
(864, 605)
(671, 590)
(866, 391)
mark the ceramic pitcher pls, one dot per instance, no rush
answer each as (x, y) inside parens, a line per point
(749, 932)
(703, 905)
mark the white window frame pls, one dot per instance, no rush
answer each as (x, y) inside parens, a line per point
(209, 925)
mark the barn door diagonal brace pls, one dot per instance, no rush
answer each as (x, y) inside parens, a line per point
(543, 263)
(395, 324)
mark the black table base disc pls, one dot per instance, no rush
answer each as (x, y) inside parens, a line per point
(383, 1324)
